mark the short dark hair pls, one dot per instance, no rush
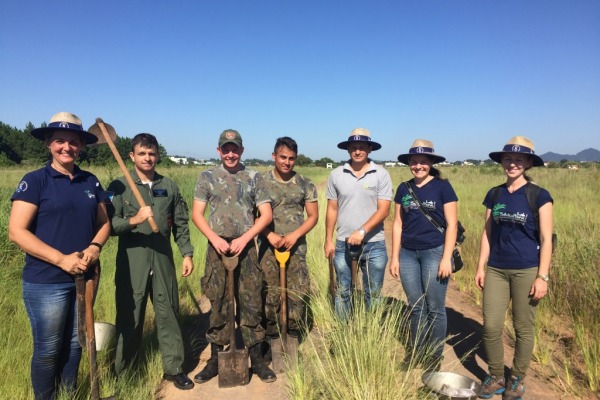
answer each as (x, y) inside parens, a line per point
(287, 142)
(145, 140)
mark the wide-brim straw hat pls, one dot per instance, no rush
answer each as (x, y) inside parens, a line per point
(421, 147)
(64, 121)
(521, 145)
(359, 135)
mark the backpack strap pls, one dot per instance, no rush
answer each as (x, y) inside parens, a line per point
(532, 191)
(496, 194)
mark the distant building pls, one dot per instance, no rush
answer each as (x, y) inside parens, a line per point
(179, 160)
(203, 162)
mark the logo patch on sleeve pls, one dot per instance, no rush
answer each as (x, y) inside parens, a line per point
(22, 187)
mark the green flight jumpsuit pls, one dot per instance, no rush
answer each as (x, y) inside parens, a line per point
(145, 267)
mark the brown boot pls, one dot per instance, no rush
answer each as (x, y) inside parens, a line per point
(492, 385)
(514, 388)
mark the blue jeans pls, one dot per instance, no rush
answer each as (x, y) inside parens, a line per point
(56, 351)
(426, 295)
(372, 262)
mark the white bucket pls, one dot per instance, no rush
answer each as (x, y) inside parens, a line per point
(105, 334)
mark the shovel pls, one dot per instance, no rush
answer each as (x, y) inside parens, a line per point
(285, 349)
(85, 291)
(107, 134)
(355, 251)
(80, 302)
(332, 281)
(233, 363)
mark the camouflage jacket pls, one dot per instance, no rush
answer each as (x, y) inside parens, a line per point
(233, 199)
(288, 200)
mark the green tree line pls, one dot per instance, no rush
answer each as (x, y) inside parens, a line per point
(18, 147)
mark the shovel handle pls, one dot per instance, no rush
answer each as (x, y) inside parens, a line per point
(123, 168)
(332, 282)
(282, 258)
(80, 299)
(91, 339)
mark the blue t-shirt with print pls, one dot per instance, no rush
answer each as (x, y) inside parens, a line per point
(514, 243)
(417, 232)
(65, 218)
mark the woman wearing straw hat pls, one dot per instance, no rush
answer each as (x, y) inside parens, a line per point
(421, 254)
(59, 219)
(517, 254)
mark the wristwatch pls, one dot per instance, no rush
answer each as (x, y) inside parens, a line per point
(543, 277)
(362, 230)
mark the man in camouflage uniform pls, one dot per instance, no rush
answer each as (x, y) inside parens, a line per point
(234, 193)
(145, 265)
(291, 194)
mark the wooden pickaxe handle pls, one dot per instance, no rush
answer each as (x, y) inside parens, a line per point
(126, 173)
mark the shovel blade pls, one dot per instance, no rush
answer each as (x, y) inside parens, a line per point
(283, 354)
(97, 131)
(233, 367)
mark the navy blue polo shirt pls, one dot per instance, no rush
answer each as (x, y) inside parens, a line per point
(417, 232)
(514, 243)
(65, 218)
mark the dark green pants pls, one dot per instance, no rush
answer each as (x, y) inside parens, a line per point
(133, 287)
(248, 295)
(502, 286)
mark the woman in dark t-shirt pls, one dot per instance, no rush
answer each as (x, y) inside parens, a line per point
(59, 220)
(422, 255)
(514, 263)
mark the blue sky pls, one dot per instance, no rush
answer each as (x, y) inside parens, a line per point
(467, 75)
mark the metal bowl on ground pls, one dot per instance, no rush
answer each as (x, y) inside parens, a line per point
(104, 334)
(451, 386)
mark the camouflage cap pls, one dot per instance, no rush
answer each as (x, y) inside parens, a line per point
(230, 136)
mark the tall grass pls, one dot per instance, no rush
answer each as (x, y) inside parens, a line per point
(358, 360)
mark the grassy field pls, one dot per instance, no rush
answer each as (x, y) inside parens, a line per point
(363, 355)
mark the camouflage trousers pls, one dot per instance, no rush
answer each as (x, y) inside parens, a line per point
(298, 286)
(248, 296)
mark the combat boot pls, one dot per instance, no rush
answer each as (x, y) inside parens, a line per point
(212, 366)
(259, 365)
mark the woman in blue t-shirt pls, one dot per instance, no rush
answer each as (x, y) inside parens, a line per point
(516, 250)
(59, 219)
(421, 254)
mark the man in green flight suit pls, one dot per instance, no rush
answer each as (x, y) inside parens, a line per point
(145, 265)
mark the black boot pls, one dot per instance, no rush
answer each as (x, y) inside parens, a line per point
(259, 366)
(212, 366)
(266, 350)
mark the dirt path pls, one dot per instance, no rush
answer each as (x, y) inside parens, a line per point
(464, 330)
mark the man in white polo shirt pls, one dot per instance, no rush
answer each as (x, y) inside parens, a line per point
(359, 196)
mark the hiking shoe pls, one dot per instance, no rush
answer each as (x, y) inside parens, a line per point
(491, 385)
(514, 388)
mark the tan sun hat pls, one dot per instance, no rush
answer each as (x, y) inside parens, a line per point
(518, 144)
(422, 147)
(64, 121)
(359, 135)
